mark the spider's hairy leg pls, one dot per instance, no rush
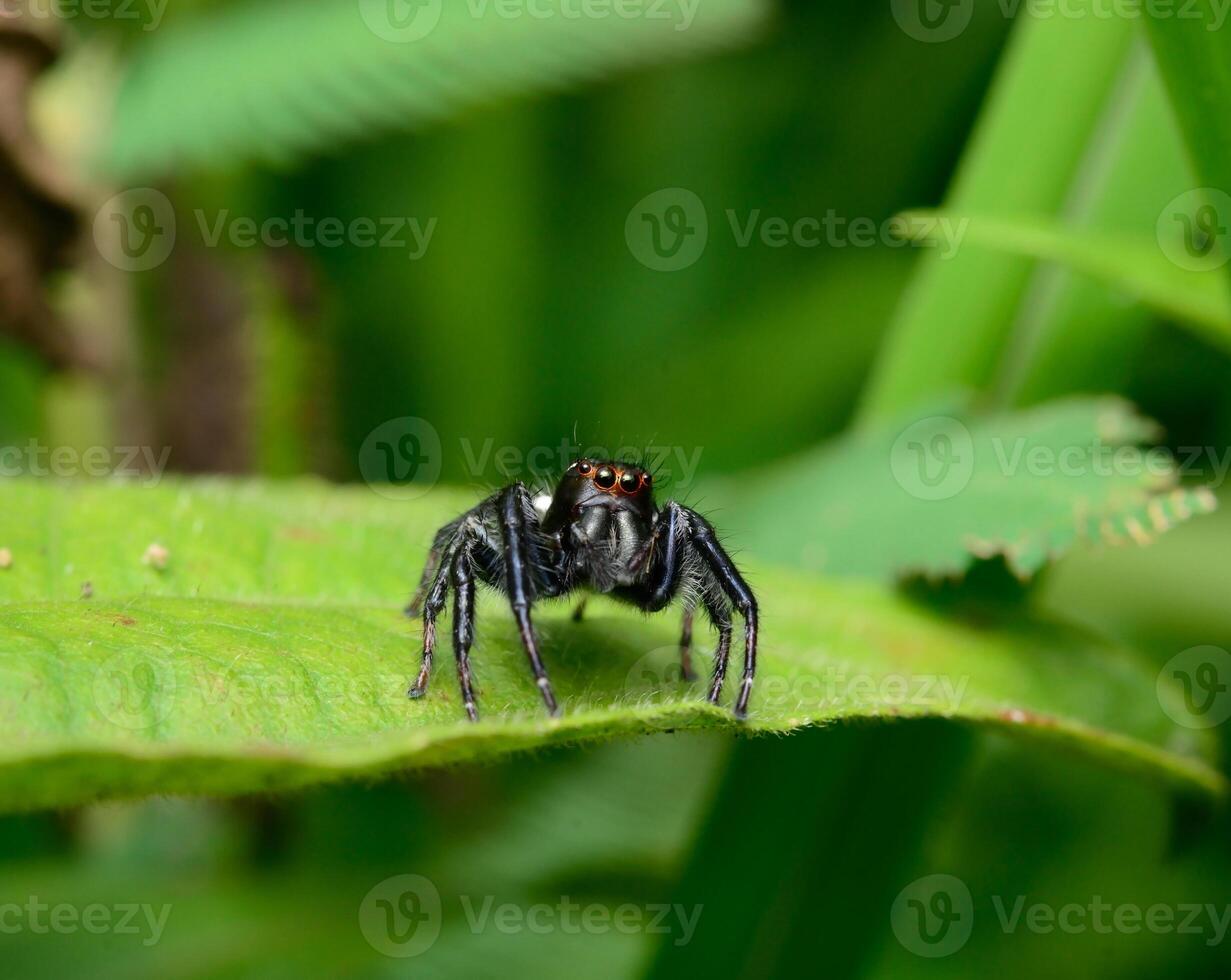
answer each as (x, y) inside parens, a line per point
(516, 513)
(433, 603)
(720, 616)
(414, 608)
(727, 576)
(686, 647)
(666, 551)
(580, 612)
(667, 540)
(463, 626)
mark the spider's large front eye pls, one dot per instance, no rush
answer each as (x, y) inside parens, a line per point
(629, 483)
(605, 478)
(584, 467)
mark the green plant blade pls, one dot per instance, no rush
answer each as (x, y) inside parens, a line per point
(1074, 333)
(955, 316)
(277, 81)
(1194, 57)
(936, 491)
(270, 653)
(1197, 299)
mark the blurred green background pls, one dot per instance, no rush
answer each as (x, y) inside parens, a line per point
(530, 319)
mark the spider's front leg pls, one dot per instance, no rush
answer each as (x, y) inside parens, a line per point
(450, 563)
(431, 569)
(463, 626)
(723, 571)
(665, 551)
(683, 533)
(686, 647)
(518, 520)
(430, 600)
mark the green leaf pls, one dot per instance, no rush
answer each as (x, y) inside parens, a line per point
(955, 316)
(1075, 334)
(346, 840)
(269, 653)
(1140, 267)
(275, 81)
(1194, 57)
(936, 491)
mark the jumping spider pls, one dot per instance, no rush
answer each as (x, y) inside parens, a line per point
(599, 531)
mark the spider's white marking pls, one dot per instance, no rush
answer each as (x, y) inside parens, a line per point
(541, 503)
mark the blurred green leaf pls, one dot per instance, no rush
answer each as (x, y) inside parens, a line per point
(955, 316)
(1074, 334)
(619, 815)
(277, 81)
(828, 855)
(936, 491)
(1193, 50)
(270, 653)
(1137, 266)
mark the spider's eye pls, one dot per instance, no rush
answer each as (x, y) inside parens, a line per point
(645, 479)
(584, 467)
(629, 483)
(605, 478)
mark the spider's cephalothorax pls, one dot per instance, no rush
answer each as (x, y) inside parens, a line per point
(599, 531)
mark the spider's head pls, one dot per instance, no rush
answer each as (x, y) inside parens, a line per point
(607, 486)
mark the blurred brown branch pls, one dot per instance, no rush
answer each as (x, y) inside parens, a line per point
(38, 219)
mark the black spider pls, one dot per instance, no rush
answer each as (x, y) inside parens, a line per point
(599, 531)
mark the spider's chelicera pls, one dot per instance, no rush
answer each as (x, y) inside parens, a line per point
(599, 531)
